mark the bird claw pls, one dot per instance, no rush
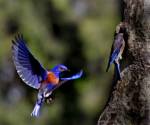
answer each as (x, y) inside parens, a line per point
(49, 100)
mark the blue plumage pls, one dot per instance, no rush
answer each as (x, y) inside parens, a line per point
(112, 58)
(117, 67)
(116, 53)
(34, 75)
(76, 76)
(28, 68)
(59, 68)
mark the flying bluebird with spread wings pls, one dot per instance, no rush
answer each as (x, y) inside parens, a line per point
(116, 53)
(35, 75)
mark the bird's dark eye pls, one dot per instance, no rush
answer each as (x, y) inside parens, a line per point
(61, 69)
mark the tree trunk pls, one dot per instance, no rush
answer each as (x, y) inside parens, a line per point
(129, 102)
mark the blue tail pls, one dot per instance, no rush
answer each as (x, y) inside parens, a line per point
(117, 69)
(39, 102)
(36, 110)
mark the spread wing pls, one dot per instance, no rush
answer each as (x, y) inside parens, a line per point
(28, 68)
(76, 76)
(62, 81)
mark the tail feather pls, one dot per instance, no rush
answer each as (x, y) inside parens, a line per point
(117, 69)
(108, 67)
(36, 110)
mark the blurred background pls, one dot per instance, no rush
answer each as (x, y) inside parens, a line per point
(77, 33)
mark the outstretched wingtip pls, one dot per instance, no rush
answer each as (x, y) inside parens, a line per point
(80, 73)
(76, 76)
(13, 42)
(18, 37)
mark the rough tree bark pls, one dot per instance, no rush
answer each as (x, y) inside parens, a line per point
(129, 103)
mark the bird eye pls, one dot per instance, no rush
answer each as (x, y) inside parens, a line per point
(61, 69)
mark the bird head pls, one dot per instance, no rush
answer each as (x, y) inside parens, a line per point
(60, 68)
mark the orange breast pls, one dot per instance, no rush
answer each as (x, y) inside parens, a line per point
(51, 78)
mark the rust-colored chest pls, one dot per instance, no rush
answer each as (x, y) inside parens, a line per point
(51, 78)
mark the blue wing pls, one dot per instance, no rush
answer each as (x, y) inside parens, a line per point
(116, 49)
(64, 80)
(76, 76)
(113, 57)
(28, 68)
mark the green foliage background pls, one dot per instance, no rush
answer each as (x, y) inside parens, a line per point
(77, 33)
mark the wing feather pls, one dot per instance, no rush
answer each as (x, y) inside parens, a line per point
(28, 67)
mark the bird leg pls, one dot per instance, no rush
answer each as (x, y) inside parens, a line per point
(49, 100)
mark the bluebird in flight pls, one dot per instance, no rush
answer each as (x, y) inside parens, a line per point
(35, 75)
(116, 53)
